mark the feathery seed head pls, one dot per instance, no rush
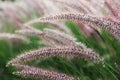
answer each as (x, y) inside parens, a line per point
(63, 38)
(104, 24)
(57, 51)
(60, 36)
(32, 72)
(29, 32)
(13, 37)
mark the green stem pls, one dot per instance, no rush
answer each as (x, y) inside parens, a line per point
(106, 66)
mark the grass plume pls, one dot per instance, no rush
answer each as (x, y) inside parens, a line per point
(105, 24)
(57, 51)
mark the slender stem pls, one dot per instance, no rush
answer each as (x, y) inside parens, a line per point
(107, 68)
